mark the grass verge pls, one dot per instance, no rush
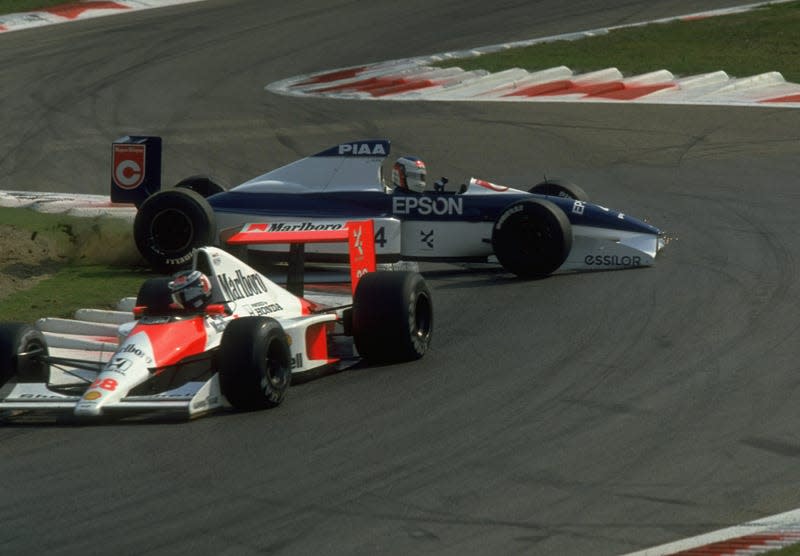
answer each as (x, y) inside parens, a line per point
(761, 40)
(788, 551)
(53, 264)
(70, 288)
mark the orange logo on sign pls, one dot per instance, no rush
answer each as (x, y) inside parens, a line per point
(128, 165)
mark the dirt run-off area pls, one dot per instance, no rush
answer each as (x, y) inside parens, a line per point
(28, 257)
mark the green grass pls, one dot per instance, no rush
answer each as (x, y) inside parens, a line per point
(91, 262)
(70, 288)
(12, 6)
(765, 39)
(788, 551)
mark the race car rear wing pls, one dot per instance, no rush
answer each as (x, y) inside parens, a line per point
(358, 234)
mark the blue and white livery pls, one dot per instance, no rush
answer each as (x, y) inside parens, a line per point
(551, 228)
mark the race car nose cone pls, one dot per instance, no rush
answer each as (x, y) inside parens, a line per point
(88, 407)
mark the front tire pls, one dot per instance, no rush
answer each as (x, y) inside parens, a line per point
(392, 316)
(170, 225)
(22, 353)
(532, 238)
(254, 363)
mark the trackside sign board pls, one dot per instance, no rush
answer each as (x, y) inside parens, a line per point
(135, 168)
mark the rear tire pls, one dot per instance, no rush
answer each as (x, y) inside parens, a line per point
(22, 349)
(392, 316)
(532, 238)
(560, 188)
(254, 363)
(204, 185)
(170, 225)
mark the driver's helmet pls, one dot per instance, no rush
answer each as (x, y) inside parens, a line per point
(191, 289)
(408, 174)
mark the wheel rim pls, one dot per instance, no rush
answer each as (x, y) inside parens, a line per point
(275, 374)
(172, 230)
(536, 236)
(32, 348)
(28, 360)
(419, 319)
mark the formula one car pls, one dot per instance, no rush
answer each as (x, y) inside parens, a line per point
(553, 227)
(222, 335)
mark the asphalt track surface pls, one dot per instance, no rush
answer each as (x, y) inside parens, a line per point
(582, 414)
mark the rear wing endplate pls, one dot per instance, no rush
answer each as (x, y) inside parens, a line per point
(358, 234)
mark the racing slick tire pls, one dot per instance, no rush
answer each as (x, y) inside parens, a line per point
(155, 294)
(21, 351)
(202, 184)
(170, 225)
(254, 363)
(392, 317)
(560, 188)
(532, 238)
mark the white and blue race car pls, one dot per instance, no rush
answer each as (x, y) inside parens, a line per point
(552, 227)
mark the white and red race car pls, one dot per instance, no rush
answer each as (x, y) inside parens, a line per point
(239, 350)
